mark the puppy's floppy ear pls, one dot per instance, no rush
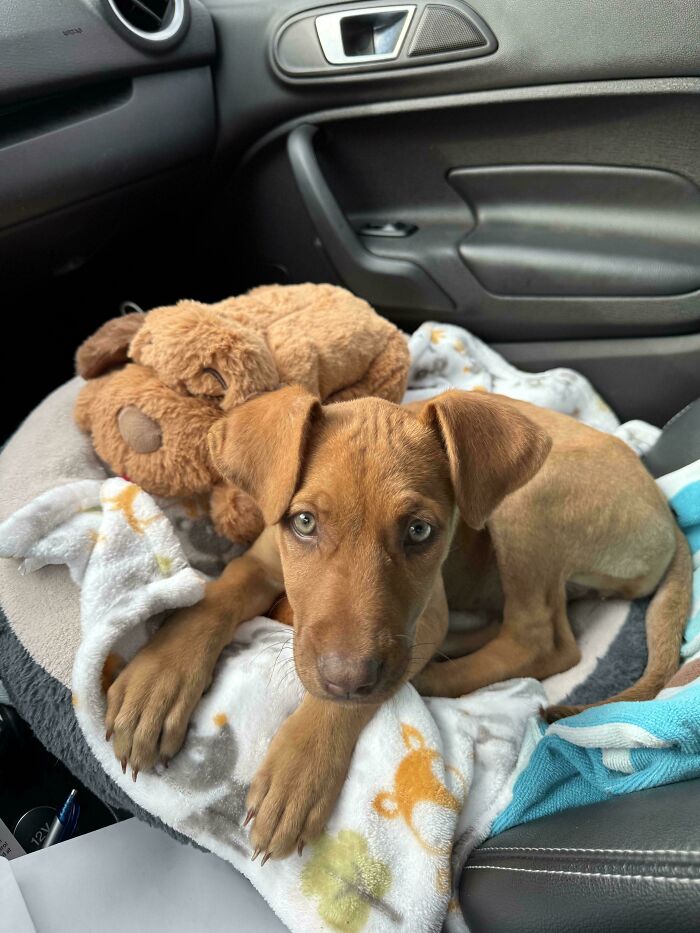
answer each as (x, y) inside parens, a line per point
(492, 449)
(108, 347)
(260, 446)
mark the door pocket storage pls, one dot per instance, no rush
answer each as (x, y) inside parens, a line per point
(581, 230)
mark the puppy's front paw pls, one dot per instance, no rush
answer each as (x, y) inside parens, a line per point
(150, 703)
(292, 794)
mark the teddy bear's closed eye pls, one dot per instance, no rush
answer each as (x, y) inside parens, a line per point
(210, 371)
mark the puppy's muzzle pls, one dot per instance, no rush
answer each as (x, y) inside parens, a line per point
(349, 677)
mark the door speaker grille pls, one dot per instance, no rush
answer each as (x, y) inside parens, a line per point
(443, 29)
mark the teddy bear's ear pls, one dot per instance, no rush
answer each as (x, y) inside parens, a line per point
(108, 347)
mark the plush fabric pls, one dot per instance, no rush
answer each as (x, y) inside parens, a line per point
(186, 344)
(444, 357)
(158, 381)
(109, 345)
(181, 465)
(49, 450)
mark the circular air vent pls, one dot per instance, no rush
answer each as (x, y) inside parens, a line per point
(158, 23)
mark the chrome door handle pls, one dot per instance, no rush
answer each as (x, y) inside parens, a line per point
(372, 34)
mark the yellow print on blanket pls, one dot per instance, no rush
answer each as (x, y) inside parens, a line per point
(347, 882)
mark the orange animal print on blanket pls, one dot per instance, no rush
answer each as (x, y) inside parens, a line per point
(124, 502)
(415, 782)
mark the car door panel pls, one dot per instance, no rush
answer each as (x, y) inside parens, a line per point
(616, 174)
(542, 194)
(540, 42)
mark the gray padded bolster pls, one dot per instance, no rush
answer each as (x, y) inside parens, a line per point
(678, 445)
(628, 865)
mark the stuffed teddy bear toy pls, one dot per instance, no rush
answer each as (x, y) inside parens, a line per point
(156, 382)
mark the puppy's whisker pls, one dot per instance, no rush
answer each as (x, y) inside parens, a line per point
(274, 666)
(269, 647)
(287, 670)
(288, 678)
(276, 603)
(441, 654)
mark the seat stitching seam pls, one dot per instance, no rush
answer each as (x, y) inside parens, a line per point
(584, 874)
(497, 849)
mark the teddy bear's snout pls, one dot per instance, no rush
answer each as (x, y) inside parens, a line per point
(140, 432)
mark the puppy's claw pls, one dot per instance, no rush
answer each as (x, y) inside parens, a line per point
(265, 857)
(300, 848)
(255, 854)
(249, 816)
(108, 735)
(134, 774)
(123, 765)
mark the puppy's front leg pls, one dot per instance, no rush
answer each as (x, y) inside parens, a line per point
(150, 703)
(297, 785)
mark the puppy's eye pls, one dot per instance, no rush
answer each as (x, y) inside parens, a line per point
(418, 531)
(304, 524)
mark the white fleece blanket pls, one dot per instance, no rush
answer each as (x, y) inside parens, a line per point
(447, 357)
(428, 777)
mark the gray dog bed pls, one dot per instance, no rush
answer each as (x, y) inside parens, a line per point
(39, 622)
(39, 619)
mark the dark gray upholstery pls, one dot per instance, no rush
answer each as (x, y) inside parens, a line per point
(628, 865)
(679, 443)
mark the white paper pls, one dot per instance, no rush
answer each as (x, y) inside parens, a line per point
(14, 916)
(133, 877)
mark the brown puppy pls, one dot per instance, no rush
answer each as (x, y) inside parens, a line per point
(369, 506)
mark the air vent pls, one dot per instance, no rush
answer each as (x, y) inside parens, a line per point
(155, 22)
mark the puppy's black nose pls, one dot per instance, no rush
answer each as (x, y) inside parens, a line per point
(348, 676)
